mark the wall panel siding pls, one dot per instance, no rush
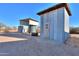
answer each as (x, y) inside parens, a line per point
(60, 16)
(51, 25)
(46, 26)
(42, 27)
(55, 25)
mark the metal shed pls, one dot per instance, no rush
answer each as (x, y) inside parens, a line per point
(55, 23)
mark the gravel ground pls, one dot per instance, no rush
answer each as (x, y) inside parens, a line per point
(33, 46)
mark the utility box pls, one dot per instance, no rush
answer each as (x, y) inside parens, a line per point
(55, 23)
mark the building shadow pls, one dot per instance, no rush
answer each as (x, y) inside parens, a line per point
(17, 35)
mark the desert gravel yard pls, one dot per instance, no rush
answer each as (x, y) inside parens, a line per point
(10, 37)
(16, 44)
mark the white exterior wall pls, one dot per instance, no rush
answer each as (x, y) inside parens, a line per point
(66, 24)
(31, 22)
(25, 28)
(57, 22)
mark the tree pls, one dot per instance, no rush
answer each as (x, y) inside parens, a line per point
(1, 25)
(74, 30)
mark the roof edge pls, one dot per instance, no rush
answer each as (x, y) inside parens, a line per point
(28, 19)
(56, 7)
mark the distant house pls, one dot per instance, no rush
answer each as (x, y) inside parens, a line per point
(55, 23)
(28, 25)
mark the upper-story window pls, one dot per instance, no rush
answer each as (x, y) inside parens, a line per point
(23, 23)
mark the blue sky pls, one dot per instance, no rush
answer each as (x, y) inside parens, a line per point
(10, 14)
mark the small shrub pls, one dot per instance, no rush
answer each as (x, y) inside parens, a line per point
(74, 31)
(6, 30)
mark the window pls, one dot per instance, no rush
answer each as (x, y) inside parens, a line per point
(46, 26)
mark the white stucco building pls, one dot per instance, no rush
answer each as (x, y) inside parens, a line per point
(28, 25)
(55, 23)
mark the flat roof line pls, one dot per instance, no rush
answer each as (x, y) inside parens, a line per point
(28, 19)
